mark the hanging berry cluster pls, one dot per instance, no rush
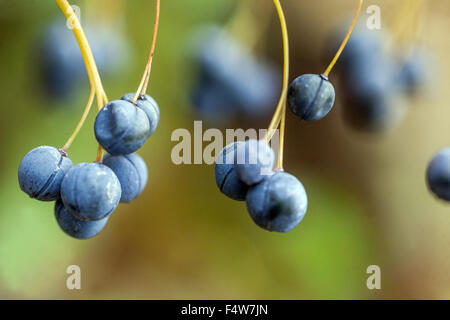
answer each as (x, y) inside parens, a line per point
(86, 194)
(276, 200)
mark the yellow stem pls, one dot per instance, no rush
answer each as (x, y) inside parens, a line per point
(91, 67)
(341, 48)
(99, 158)
(277, 116)
(81, 122)
(282, 131)
(146, 76)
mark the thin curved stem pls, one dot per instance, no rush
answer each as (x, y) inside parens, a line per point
(343, 44)
(91, 67)
(81, 122)
(281, 106)
(282, 132)
(146, 76)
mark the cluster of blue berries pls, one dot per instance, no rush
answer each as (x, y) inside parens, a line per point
(231, 82)
(276, 200)
(86, 194)
(375, 84)
(438, 174)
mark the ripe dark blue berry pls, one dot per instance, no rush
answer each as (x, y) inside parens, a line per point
(132, 173)
(311, 97)
(438, 174)
(74, 227)
(90, 191)
(41, 173)
(254, 161)
(278, 203)
(225, 175)
(149, 106)
(121, 127)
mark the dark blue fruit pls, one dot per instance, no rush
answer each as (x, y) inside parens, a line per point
(149, 106)
(227, 70)
(225, 175)
(41, 173)
(311, 97)
(75, 227)
(438, 174)
(121, 127)
(254, 161)
(132, 173)
(90, 191)
(372, 99)
(278, 203)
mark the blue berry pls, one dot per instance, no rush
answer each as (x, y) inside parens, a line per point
(254, 161)
(278, 203)
(132, 173)
(230, 74)
(149, 106)
(373, 100)
(121, 127)
(225, 175)
(74, 227)
(438, 174)
(41, 173)
(90, 191)
(311, 97)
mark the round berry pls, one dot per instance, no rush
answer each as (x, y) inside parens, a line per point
(438, 174)
(90, 191)
(311, 97)
(225, 175)
(41, 173)
(132, 173)
(121, 127)
(74, 227)
(149, 106)
(278, 203)
(254, 161)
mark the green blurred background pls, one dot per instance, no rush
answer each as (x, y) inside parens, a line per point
(182, 239)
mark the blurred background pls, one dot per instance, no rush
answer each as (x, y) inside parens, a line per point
(183, 239)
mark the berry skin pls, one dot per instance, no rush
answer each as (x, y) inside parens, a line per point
(90, 191)
(254, 161)
(132, 173)
(41, 173)
(149, 106)
(438, 174)
(278, 203)
(311, 97)
(121, 128)
(75, 227)
(225, 175)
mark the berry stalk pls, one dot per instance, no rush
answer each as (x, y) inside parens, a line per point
(344, 43)
(146, 76)
(278, 118)
(91, 67)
